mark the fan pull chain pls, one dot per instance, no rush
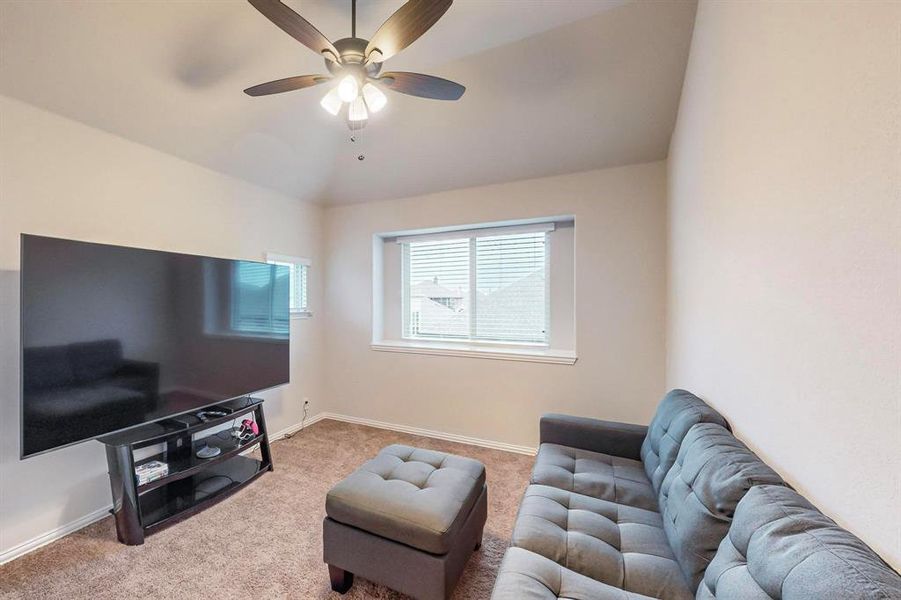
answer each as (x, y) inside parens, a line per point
(356, 138)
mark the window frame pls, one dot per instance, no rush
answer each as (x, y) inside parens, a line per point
(295, 262)
(472, 235)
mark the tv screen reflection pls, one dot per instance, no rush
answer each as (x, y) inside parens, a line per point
(114, 337)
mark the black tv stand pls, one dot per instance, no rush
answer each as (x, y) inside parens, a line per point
(192, 484)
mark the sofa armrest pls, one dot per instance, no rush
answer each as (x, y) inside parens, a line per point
(144, 376)
(618, 439)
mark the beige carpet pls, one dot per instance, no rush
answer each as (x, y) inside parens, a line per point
(266, 540)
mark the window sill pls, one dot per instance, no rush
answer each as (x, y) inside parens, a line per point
(558, 357)
(301, 314)
(248, 337)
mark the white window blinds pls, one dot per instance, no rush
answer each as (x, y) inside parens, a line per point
(436, 289)
(259, 298)
(299, 278)
(511, 288)
(487, 286)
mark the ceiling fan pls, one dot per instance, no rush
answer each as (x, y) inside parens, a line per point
(357, 63)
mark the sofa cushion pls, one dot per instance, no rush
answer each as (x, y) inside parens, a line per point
(677, 413)
(594, 474)
(780, 547)
(46, 368)
(417, 497)
(92, 361)
(525, 575)
(618, 545)
(712, 473)
(88, 401)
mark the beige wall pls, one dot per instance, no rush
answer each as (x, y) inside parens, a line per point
(61, 178)
(785, 245)
(783, 282)
(620, 291)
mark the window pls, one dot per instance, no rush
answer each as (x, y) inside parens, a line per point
(258, 299)
(497, 291)
(299, 273)
(482, 285)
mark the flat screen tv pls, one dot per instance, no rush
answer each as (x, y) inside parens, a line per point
(115, 337)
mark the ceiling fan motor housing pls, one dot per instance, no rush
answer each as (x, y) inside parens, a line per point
(353, 52)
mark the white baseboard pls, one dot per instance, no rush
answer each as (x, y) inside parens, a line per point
(73, 526)
(291, 429)
(54, 534)
(440, 435)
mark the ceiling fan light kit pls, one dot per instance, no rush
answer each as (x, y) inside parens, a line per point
(355, 64)
(357, 111)
(374, 97)
(331, 102)
(348, 88)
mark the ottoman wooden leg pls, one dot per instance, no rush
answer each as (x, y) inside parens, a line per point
(341, 579)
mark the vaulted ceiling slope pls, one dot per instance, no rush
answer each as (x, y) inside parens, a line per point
(552, 87)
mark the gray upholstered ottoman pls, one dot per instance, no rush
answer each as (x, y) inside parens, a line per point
(408, 519)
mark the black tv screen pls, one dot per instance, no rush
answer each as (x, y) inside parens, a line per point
(114, 337)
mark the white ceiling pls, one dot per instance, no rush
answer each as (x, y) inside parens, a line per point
(552, 87)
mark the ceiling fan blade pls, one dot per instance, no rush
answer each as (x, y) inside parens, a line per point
(286, 85)
(404, 27)
(424, 86)
(297, 27)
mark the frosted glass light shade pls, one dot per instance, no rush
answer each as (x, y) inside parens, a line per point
(374, 98)
(357, 111)
(348, 89)
(331, 102)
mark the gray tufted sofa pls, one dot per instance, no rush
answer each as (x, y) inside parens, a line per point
(667, 511)
(781, 546)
